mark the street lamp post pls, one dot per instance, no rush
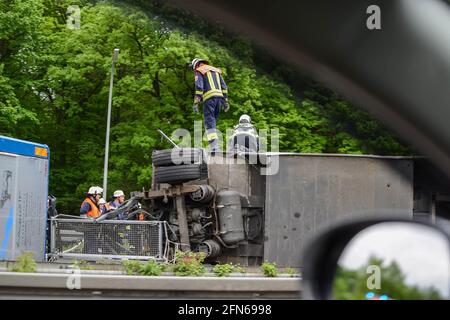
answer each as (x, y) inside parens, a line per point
(108, 124)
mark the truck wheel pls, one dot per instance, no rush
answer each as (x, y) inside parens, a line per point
(177, 156)
(178, 174)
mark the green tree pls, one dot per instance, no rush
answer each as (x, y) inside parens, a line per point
(54, 84)
(19, 32)
(352, 284)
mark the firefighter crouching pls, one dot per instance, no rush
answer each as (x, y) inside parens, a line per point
(245, 137)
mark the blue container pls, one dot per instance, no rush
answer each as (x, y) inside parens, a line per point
(24, 175)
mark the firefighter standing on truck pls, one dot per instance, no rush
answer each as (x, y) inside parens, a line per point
(210, 88)
(89, 207)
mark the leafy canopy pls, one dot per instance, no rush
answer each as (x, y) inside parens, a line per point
(54, 84)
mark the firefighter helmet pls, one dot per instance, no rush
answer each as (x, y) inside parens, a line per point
(95, 190)
(118, 193)
(245, 118)
(196, 61)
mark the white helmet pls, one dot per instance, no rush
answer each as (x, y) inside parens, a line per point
(101, 201)
(196, 61)
(95, 190)
(118, 193)
(245, 118)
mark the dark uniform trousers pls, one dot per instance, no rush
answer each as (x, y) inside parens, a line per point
(211, 111)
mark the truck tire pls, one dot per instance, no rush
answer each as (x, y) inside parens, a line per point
(178, 174)
(173, 157)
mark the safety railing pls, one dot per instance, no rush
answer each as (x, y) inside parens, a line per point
(88, 239)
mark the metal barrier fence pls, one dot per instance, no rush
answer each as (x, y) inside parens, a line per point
(109, 239)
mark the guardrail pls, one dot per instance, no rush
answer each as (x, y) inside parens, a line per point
(26, 285)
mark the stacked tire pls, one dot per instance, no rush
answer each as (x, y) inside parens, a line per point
(178, 165)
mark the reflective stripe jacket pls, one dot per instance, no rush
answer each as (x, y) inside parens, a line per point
(245, 136)
(209, 83)
(246, 128)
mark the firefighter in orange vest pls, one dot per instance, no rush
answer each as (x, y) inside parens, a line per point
(210, 88)
(89, 207)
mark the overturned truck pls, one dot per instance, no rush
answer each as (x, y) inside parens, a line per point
(210, 204)
(246, 209)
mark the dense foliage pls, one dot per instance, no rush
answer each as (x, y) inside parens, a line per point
(54, 84)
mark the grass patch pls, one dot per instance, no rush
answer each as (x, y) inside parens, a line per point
(189, 264)
(223, 270)
(269, 269)
(149, 268)
(24, 263)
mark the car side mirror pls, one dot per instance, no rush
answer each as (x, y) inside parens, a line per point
(379, 259)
